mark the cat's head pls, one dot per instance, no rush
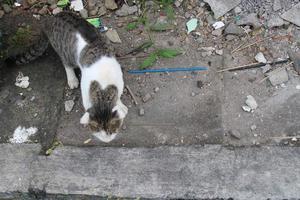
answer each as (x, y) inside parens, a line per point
(105, 118)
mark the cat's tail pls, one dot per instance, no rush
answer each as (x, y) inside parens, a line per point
(34, 51)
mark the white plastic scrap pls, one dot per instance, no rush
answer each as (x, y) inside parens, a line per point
(22, 81)
(21, 134)
(77, 5)
(17, 4)
(260, 58)
(218, 24)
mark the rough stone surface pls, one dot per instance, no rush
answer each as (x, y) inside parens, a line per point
(220, 7)
(110, 4)
(279, 77)
(233, 29)
(293, 15)
(250, 19)
(275, 21)
(113, 36)
(277, 5)
(217, 32)
(69, 105)
(160, 173)
(126, 10)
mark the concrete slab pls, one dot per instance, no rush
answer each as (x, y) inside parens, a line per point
(211, 171)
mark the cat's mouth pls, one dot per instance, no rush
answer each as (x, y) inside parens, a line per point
(104, 137)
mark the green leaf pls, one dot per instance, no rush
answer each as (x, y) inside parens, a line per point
(131, 26)
(168, 53)
(149, 61)
(62, 3)
(96, 22)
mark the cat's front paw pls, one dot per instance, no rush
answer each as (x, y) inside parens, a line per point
(85, 119)
(73, 83)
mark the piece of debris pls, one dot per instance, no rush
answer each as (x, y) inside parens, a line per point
(277, 5)
(237, 10)
(278, 77)
(44, 10)
(87, 141)
(141, 111)
(22, 134)
(295, 57)
(17, 4)
(200, 84)
(113, 36)
(218, 24)
(246, 108)
(110, 4)
(235, 134)
(293, 15)
(178, 3)
(253, 128)
(77, 5)
(191, 25)
(22, 81)
(126, 10)
(298, 87)
(250, 19)
(147, 97)
(193, 94)
(233, 29)
(69, 104)
(131, 94)
(294, 139)
(275, 21)
(84, 13)
(156, 89)
(56, 10)
(220, 7)
(266, 68)
(251, 102)
(219, 52)
(217, 32)
(260, 58)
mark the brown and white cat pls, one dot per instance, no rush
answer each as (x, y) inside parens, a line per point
(79, 45)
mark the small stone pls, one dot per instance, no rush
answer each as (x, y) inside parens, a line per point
(200, 84)
(31, 2)
(53, 6)
(250, 19)
(230, 37)
(278, 77)
(246, 108)
(298, 87)
(219, 52)
(237, 10)
(251, 102)
(235, 134)
(32, 98)
(102, 11)
(266, 68)
(113, 36)
(293, 15)
(187, 15)
(69, 104)
(178, 3)
(260, 58)
(255, 135)
(193, 94)
(141, 112)
(1, 13)
(253, 127)
(294, 139)
(56, 11)
(275, 21)
(156, 89)
(147, 97)
(217, 32)
(126, 10)
(84, 13)
(35, 115)
(44, 10)
(6, 8)
(110, 4)
(277, 5)
(124, 127)
(210, 20)
(93, 12)
(233, 29)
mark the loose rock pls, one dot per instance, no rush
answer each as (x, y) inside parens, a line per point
(253, 127)
(219, 52)
(113, 36)
(220, 7)
(278, 77)
(251, 102)
(110, 4)
(235, 134)
(217, 32)
(141, 112)
(102, 11)
(260, 58)
(69, 105)
(31, 2)
(126, 10)
(293, 15)
(237, 10)
(250, 19)
(84, 13)
(44, 10)
(147, 97)
(56, 11)
(156, 89)
(266, 68)
(233, 29)
(6, 8)
(275, 21)
(246, 108)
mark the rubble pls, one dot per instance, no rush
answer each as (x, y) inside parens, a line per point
(110, 4)
(278, 77)
(235, 134)
(125, 10)
(113, 36)
(220, 7)
(233, 29)
(69, 104)
(250, 19)
(22, 81)
(293, 15)
(275, 21)
(147, 97)
(260, 58)
(251, 102)
(141, 111)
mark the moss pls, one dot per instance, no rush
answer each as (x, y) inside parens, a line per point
(21, 38)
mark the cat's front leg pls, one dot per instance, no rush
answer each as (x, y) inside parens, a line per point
(71, 77)
(122, 107)
(85, 119)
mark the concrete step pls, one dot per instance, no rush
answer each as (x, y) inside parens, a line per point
(210, 171)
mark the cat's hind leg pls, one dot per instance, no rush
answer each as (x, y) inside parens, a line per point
(71, 77)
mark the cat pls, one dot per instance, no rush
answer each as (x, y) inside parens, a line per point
(80, 45)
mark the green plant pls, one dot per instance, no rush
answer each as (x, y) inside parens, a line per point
(21, 37)
(8, 2)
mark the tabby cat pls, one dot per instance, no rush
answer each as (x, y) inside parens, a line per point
(80, 45)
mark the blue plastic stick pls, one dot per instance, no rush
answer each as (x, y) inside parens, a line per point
(180, 69)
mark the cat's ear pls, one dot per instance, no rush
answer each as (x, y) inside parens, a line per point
(95, 91)
(111, 93)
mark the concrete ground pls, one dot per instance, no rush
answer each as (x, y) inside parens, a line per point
(177, 148)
